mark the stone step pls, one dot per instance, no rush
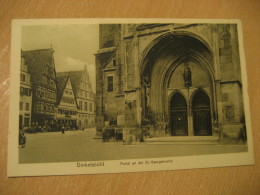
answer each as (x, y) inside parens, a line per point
(183, 139)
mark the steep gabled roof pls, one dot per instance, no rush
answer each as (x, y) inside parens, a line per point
(37, 61)
(61, 84)
(75, 78)
(62, 74)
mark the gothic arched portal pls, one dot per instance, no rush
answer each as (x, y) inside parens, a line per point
(178, 115)
(201, 113)
(179, 65)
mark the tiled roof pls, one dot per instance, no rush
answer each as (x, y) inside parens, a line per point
(61, 84)
(75, 78)
(37, 60)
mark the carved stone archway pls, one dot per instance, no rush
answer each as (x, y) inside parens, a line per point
(160, 62)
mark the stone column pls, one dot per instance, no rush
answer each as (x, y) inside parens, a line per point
(190, 126)
(216, 88)
(215, 50)
(189, 113)
(219, 109)
(99, 97)
(137, 81)
(138, 108)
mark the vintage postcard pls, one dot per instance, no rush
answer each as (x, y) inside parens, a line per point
(95, 96)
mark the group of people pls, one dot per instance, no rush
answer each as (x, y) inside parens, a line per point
(35, 127)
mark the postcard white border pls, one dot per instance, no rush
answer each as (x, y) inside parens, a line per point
(113, 166)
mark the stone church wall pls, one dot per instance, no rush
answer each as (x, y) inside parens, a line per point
(132, 48)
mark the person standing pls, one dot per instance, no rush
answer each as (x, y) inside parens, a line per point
(22, 139)
(63, 129)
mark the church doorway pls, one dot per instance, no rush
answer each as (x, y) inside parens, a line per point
(177, 85)
(178, 115)
(201, 114)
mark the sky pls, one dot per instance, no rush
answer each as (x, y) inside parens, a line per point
(74, 45)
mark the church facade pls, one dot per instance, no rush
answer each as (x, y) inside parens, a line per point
(182, 79)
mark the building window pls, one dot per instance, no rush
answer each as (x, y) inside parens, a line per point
(26, 122)
(27, 106)
(52, 83)
(114, 62)
(39, 92)
(21, 105)
(38, 106)
(80, 105)
(43, 94)
(22, 78)
(86, 106)
(110, 83)
(47, 94)
(25, 91)
(44, 80)
(51, 108)
(21, 90)
(90, 107)
(68, 100)
(54, 96)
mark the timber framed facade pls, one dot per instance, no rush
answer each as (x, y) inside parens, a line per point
(48, 98)
(83, 95)
(41, 67)
(25, 104)
(67, 106)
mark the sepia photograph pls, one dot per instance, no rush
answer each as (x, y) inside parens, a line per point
(127, 95)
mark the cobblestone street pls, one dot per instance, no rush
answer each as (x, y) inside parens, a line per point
(80, 146)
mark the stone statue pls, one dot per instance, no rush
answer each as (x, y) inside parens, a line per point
(187, 76)
(147, 86)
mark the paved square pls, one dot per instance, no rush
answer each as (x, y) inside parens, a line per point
(76, 146)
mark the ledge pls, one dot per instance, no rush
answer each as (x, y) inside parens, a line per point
(105, 50)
